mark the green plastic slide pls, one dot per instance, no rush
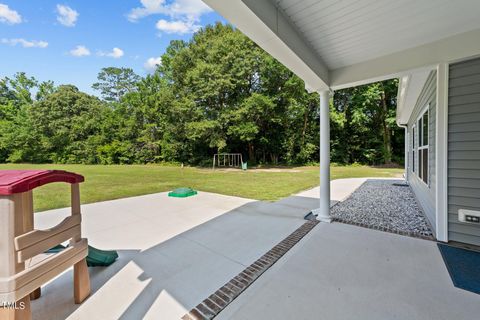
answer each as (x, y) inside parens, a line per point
(100, 258)
(95, 258)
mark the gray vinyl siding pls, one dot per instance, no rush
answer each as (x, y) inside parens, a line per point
(425, 193)
(463, 148)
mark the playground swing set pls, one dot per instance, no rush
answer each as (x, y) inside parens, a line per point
(229, 160)
(21, 244)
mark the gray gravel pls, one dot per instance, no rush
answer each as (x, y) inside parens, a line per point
(383, 205)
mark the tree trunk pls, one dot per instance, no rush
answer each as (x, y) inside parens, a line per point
(305, 123)
(387, 145)
(346, 145)
(251, 152)
(274, 158)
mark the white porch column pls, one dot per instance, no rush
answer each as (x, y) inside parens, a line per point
(323, 213)
(441, 153)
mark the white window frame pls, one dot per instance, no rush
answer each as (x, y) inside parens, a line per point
(418, 148)
(414, 149)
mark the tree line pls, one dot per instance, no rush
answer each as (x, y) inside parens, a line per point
(218, 92)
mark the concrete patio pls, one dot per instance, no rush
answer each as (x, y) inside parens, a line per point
(340, 271)
(176, 252)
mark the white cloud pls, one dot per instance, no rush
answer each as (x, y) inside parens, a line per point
(115, 53)
(8, 15)
(191, 9)
(25, 43)
(184, 14)
(66, 15)
(151, 64)
(80, 51)
(178, 27)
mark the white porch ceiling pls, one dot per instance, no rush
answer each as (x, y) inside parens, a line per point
(347, 32)
(341, 43)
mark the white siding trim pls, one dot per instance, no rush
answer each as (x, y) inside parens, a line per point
(441, 153)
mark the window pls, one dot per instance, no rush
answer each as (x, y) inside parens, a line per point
(422, 148)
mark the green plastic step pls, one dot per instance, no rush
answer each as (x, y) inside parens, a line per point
(182, 193)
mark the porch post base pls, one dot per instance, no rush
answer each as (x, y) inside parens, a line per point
(320, 217)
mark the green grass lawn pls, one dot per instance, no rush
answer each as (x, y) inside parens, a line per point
(116, 181)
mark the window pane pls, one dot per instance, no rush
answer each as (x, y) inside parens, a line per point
(413, 162)
(420, 154)
(413, 138)
(425, 165)
(420, 132)
(425, 129)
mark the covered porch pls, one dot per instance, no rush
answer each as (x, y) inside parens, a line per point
(333, 45)
(234, 258)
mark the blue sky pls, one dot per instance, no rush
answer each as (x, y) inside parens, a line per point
(70, 41)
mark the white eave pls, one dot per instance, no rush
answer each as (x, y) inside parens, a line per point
(409, 89)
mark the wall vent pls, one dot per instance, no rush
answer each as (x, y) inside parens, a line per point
(469, 216)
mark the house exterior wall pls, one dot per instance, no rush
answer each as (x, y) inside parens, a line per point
(425, 193)
(464, 149)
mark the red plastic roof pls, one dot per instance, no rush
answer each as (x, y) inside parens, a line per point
(17, 181)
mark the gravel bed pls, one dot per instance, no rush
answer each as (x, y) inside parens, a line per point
(382, 205)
